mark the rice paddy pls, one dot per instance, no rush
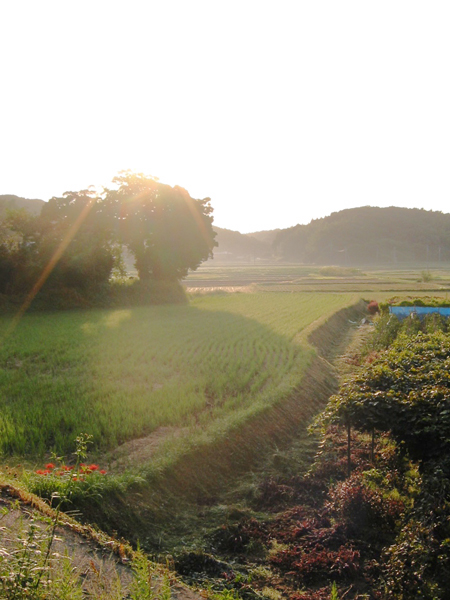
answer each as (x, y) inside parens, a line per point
(121, 374)
(303, 278)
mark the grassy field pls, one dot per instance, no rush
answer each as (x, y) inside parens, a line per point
(302, 278)
(120, 374)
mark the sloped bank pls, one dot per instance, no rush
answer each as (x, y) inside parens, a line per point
(235, 449)
(87, 560)
(330, 337)
(202, 466)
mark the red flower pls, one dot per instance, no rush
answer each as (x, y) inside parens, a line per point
(93, 467)
(40, 472)
(50, 466)
(103, 472)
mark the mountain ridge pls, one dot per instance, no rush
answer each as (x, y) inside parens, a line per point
(352, 236)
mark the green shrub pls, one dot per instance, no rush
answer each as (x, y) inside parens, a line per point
(426, 276)
(334, 271)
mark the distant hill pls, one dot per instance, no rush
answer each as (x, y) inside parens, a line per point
(239, 246)
(369, 235)
(268, 237)
(9, 201)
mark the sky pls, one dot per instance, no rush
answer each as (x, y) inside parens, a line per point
(280, 111)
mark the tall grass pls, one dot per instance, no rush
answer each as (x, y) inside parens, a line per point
(120, 374)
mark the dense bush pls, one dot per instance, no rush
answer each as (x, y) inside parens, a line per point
(384, 531)
(407, 392)
(364, 509)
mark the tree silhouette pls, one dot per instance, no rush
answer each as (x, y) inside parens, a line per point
(167, 231)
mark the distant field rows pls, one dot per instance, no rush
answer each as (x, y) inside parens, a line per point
(120, 374)
(302, 278)
(367, 288)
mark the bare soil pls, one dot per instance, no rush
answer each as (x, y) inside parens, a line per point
(139, 451)
(103, 563)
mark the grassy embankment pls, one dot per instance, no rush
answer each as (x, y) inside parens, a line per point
(222, 373)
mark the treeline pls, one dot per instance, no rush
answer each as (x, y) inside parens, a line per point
(368, 235)
(71, 252)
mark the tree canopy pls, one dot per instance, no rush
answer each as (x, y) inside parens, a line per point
(77, 239)
(167, 231)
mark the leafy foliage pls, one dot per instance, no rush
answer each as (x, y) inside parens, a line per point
(406, 392)
(167, 231)
(75, 243)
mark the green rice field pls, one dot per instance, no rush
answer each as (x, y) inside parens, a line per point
(303, 278)
(121, 374)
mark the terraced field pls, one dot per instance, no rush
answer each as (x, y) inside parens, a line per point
(302, 278)
(121, 374)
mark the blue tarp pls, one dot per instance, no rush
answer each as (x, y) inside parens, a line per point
(404, 311)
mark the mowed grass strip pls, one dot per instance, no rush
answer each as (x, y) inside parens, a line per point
(120, 374)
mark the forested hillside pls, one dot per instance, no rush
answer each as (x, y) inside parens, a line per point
(369, 235)
(267, 237)
(11, 202)
(233, 245)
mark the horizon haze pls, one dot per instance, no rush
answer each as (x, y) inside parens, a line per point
(279, 112)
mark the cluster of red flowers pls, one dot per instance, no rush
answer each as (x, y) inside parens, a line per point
(87, 469)
(51, 469)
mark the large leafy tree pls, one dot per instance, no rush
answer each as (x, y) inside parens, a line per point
(76, 236)
(167, 231)
(69, 245)
(76, 240)
(18, 236)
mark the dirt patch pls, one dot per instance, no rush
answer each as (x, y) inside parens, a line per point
(102, 562)
(211, 288)
(139, 451)
(99, 568)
